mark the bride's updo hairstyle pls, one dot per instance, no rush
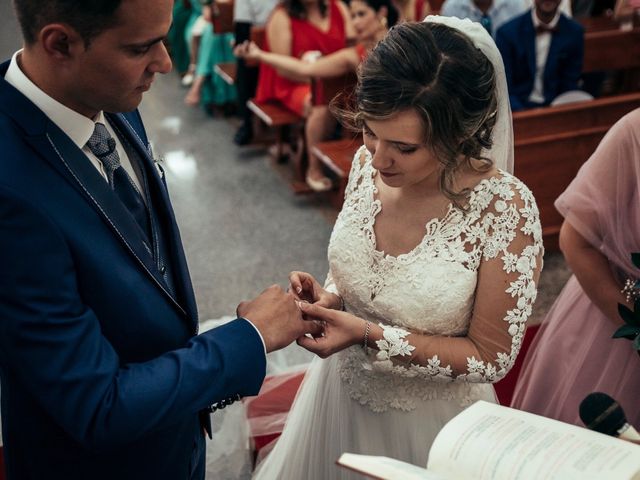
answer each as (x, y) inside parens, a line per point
(437, 71)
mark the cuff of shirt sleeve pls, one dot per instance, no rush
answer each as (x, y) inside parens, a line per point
(264, 346)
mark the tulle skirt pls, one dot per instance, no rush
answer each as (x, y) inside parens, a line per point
(573, 355)
(325, 422)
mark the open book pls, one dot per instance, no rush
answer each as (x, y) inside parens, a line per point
(488, 441)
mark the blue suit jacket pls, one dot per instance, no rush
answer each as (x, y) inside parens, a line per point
(102, 374)
(516, 40)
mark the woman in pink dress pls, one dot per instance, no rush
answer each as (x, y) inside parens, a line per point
(573, 353)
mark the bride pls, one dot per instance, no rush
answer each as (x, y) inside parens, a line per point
(433, 260)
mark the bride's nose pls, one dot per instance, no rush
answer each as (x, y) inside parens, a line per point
(381, 157)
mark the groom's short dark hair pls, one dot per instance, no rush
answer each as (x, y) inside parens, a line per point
(87, 17)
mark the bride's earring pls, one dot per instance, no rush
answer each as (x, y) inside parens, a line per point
(383, 22)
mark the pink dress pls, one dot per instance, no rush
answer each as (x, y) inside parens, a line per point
(573, 353)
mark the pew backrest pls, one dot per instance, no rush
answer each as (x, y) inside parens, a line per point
(551, 144)
(611, 50)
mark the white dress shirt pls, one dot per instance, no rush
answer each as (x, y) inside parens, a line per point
(77, 127)
(543, 42)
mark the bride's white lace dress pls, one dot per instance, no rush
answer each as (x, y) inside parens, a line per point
(373, 402)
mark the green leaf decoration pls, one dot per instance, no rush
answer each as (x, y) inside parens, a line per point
(635, 258)
(636, 343)
(627, 331)
(628, 316)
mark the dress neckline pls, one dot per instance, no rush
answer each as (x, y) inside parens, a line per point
(329, 22)
(452, 215)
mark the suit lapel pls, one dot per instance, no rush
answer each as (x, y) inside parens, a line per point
(162, 205)
(66, 158)
(59, 150)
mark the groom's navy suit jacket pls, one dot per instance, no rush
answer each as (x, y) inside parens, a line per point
(516, 41)
(103, 376)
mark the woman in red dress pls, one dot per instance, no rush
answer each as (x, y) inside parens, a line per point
(294, 28)
(371, 21)
(412, 10)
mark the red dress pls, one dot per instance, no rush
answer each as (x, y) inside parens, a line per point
(418, 12)
(304, 37)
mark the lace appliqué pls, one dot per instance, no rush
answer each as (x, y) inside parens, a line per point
(380, 287)
(393, 343)
(381, 385)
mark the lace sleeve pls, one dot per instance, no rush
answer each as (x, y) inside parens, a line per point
(506, 290)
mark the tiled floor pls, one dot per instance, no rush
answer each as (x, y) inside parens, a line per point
(242, 227)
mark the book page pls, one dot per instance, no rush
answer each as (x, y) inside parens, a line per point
(489, 441)
(385, 468)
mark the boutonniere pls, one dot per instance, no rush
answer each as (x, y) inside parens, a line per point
(158, 163)
(631, 329)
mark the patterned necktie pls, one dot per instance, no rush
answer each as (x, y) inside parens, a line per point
(103, 146)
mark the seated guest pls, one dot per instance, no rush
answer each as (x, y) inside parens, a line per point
(247, 14)
(542, 50)
(295, 28)
(179, 48)
(573, 354)
(491, 14)
(207, 89)
(371, 21)
(193, 31)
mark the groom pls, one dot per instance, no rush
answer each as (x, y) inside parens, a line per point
(103, 375)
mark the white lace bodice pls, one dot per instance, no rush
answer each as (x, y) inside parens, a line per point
(430, 289)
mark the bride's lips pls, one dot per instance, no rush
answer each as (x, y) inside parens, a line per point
(388, 174)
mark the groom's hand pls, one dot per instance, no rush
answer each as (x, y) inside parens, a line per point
(277, 317)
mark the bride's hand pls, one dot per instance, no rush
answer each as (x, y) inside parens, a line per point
(307, 289)
(341, 330)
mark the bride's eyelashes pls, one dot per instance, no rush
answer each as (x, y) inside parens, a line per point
(406, 149)
(401, 147)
